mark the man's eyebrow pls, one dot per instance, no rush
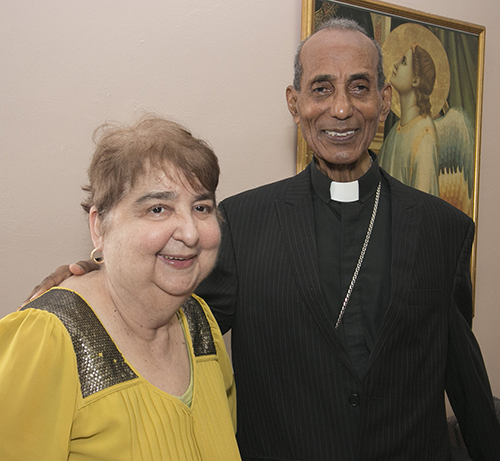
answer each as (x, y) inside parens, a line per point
(323, 78)
(360, 76)
(329, 77)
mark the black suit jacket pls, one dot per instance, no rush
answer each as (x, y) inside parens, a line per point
(298, 396)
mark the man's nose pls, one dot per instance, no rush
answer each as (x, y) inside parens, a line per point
(341, 105)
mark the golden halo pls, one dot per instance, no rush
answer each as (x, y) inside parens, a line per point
(398, 42)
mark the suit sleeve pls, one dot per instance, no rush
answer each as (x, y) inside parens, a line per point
(467, 383)
(462, 285)
(220, 288)
(38, 387)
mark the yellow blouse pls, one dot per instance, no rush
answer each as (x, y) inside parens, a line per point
(68, 394)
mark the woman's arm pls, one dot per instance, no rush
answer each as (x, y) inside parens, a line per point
(38, 387)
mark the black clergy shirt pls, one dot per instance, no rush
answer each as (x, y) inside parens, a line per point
(340, 232)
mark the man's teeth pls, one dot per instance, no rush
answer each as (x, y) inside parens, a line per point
(175, 259)
(339, 135)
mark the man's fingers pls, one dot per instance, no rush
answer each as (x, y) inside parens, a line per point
(54, 279)
(83, 267)
(61, 274)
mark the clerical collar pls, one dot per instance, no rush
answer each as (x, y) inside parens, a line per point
(364, 187)
(344, 191)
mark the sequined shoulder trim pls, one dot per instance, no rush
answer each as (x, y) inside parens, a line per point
(100, 363)
(199, 328)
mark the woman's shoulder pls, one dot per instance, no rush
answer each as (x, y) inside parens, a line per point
(55, 300)
(67, 305)
(210, 342)
(202, 325)
(32, 336)
(100, 363)
(33, 320)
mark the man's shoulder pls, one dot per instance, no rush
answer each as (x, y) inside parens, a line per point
(268, 193)
(433, 204)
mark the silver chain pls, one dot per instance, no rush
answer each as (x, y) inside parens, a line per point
(361, 256)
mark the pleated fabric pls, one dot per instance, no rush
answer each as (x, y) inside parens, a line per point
(46, 417)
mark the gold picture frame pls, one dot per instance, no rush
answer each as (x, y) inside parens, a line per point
(457, 48)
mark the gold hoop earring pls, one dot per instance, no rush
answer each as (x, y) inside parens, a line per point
(96, 260)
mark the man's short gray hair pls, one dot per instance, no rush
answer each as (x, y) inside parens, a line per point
(338, 24)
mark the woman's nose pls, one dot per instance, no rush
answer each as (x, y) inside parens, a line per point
(186, 230)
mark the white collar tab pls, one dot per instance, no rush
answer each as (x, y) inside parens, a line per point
(344, 191)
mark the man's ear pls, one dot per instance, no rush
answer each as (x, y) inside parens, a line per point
(291, 100)
(95, 226)
(386, 93)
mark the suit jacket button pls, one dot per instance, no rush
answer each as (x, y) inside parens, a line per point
(355, 400)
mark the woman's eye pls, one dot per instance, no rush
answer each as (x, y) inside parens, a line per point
(157, 210)
(203, 208)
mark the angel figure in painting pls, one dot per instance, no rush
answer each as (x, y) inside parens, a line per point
(410, 151)
(428, 148)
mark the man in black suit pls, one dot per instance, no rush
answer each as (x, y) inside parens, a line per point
(347, 292)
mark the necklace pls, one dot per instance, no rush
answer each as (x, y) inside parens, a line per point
(361, 256)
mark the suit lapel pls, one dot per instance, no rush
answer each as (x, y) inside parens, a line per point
(296, 218)
(405, 219)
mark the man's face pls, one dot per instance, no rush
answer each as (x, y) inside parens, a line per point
(339, 105)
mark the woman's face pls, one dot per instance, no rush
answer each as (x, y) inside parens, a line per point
(163, 235)
(403, 77)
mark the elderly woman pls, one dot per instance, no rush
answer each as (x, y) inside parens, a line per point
(125, 363)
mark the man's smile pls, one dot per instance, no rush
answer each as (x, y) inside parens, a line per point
(339, 134)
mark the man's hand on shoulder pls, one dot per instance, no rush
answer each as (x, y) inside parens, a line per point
(61, 274)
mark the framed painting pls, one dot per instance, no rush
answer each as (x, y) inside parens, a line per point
(434, 144)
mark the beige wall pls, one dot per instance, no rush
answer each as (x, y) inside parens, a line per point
(221, 67)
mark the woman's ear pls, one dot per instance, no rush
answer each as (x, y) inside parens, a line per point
(95, 226)
(416, 81)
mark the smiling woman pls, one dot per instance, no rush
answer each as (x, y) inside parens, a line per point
(152, 201)
(167, 229)
(124, 362)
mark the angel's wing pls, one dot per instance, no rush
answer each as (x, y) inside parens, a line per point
(456, 159)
